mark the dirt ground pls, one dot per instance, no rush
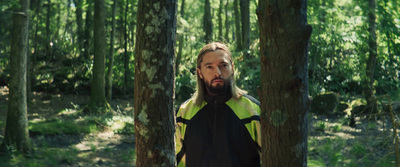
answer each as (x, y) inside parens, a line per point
(95, 149)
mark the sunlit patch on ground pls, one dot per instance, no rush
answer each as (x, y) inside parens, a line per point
(333, 143)
(113, 145)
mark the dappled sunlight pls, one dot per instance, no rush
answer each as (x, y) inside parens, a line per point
(333, 143)
(4, 91)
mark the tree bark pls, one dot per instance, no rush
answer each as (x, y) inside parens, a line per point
(154, 83)
(79, 25)
(31, 72)
(245, 18)
(371, 62)
(16, 132)
(227, 25)
(238, 30)
(284, 36)
(207, 22)
(221, 6)
(88, 30)
(180, 39)
(48, 35)
(111, 55)
(98, 102)
(126, 55)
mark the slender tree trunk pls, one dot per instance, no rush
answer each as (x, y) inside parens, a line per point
(32, 79)
(98, 102)
(126, 55)
(207, 22)
(238, 30)
(221, 6)
(67, 26)
(88, 30)
(58, 24)
(245, 17)
(48, 35)
(284, 36)
(227, 25)
(154, 83)
(371, 62)
(180, 39)
(16, 132)
(79, 24)
(111, 56)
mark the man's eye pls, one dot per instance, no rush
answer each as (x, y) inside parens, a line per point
(225, 65)
(208, 67)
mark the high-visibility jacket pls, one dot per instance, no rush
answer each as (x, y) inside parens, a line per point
(222, 131)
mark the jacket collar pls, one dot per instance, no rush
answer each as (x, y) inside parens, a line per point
(218, 99)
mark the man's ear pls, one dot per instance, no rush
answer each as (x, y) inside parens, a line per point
(199, 73)
(233, 68)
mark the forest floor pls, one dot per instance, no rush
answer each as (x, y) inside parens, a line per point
(100, 148)
(331, 142)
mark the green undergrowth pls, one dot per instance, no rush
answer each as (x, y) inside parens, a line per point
(338, 152)
(332, 145)
(82, 125)
(47, 154)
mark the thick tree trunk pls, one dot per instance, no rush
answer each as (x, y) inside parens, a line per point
(154, 83)
(98, 102)
(238, 30)
(207, 22)
(284, 36)
(111, 55)
(16, 132)
(371, 62)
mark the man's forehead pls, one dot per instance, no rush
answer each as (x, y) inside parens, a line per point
(216, 57)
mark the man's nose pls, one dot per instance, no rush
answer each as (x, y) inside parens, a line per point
(218, 72)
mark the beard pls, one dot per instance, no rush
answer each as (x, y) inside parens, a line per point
(219, 89)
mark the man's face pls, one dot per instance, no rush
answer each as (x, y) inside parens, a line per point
(216, 71)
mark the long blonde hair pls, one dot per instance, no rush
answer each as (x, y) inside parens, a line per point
(198, 96)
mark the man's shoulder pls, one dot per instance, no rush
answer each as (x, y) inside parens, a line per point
(251, 99)
(188, 105)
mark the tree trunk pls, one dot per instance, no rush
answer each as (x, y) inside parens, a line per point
(284, 36)
(154, 83)
(371, 62)
(48, 35)
(207, 22)
(126, 55)
(88, 31)
(227, 25)
(180, 39)
(79, 25)
(16, 132)
(238, 30)
(221, 6)
(111, 56)
(31, 72)
(98, 102)
(245, 17)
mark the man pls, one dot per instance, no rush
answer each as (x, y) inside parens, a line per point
(220, 125)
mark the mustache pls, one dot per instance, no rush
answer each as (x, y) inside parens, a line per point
(220, 77)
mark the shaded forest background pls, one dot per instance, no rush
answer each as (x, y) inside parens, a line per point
(61, 45)
(60, 54)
